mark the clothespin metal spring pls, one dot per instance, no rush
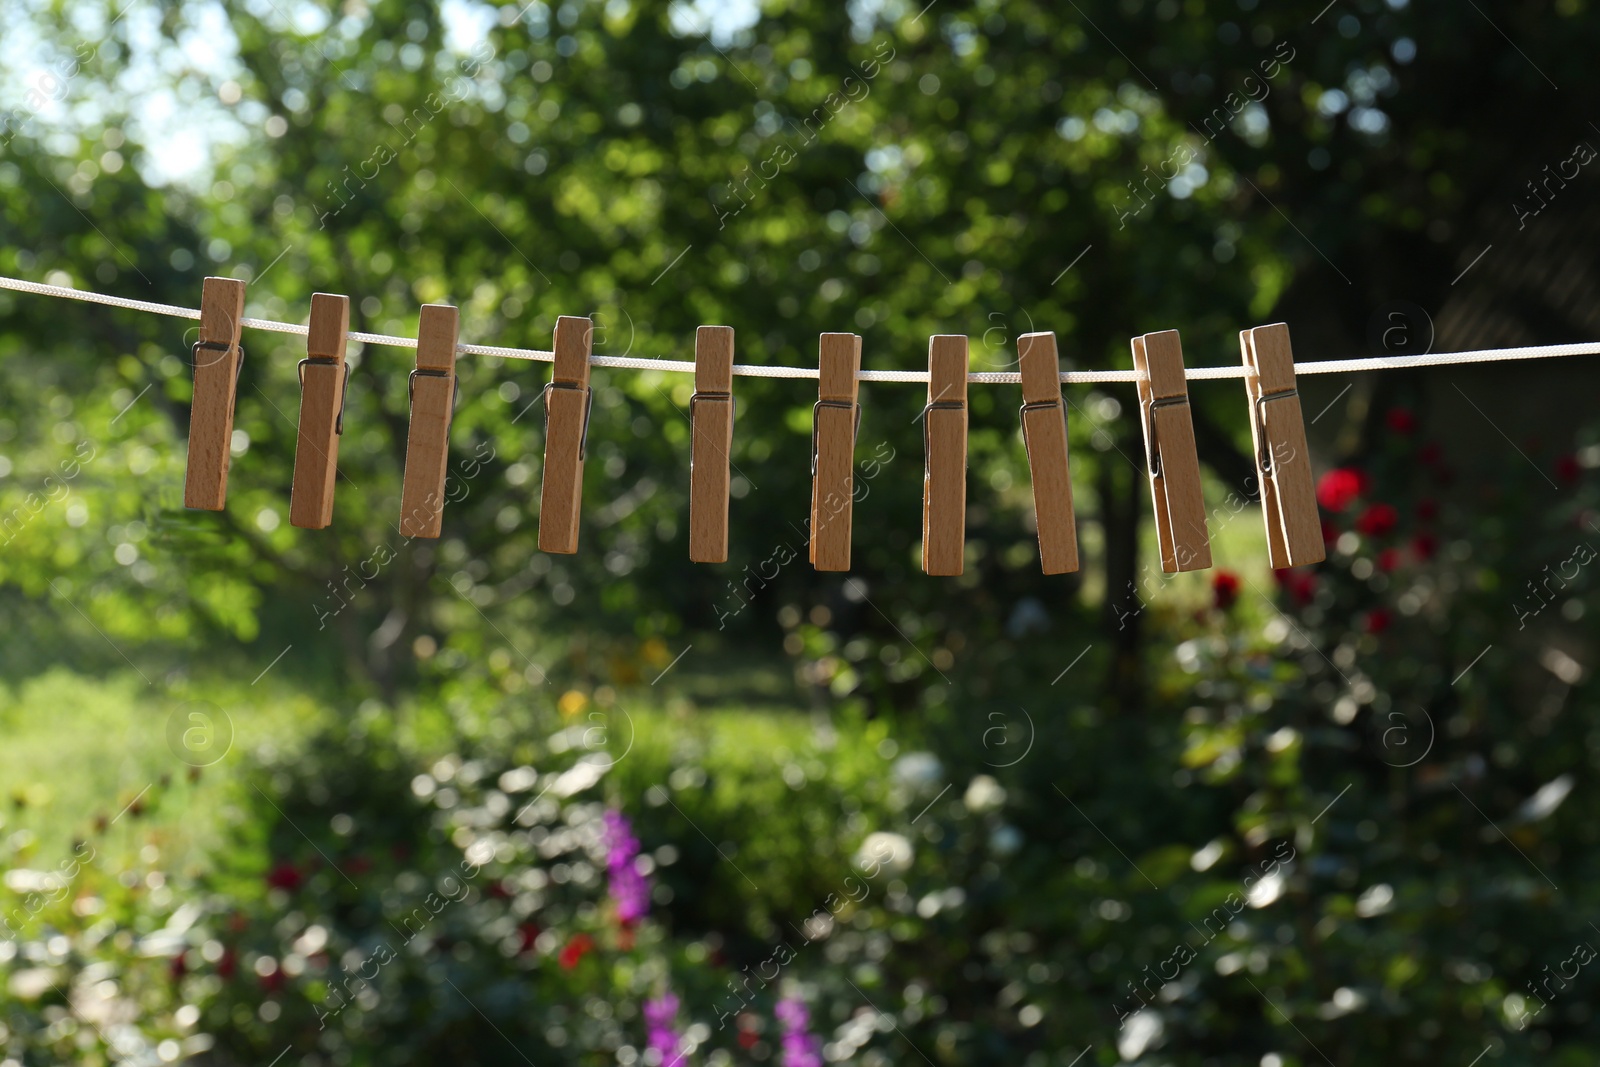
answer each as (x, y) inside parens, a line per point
(816, 409)
(583, 439)
(1037, 405)
(932, 405)
(1264, 457)
(1152, 446)
(344, 391)
(219, 346)
(713, 396)
(411, 391)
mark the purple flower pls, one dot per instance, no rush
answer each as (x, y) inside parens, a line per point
(627, 886)
(659, 1017)
(800, 1047)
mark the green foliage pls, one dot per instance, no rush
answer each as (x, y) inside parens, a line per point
(1338, 809)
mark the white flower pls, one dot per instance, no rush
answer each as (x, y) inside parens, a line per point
(1375, 901)
(1546, 800)
(884, 851)
(1205, 858)
(1266, 890)
(1139, 1032)
(984, 794)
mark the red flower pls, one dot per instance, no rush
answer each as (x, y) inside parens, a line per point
(1300, 585)
(1567, 468)
(748, 1038)
(575, 950)
(1427, 509)
(284, 876)
(358, 865)
(1401, 420)
(1330, 532)
(1425, 545)
(272, 982)
(528, 933)
(1378, 520)
(498, 891)
(1388, 559)
(1337, 488)
(1225, 589)
(1377, 620)
(227, 964)
(178, 967)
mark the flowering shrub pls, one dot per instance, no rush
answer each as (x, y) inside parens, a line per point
(800, 1047)
(93, 951)
(1340, 806)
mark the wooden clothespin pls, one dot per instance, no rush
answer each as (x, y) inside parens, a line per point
(433, 390)
(218, 358)
(1044, 436)
(1180, 508)
(944, 438)
(834, 422)
(1283, 459)
(567, 400)
(324, 377)
(711, 411)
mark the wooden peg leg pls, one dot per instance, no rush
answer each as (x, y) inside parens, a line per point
(833, 450)
(433, 387)
(322, 383)
(944, 482)
(566, 401)
(1283, 457)
(1175, 468)
(216, 359)
(1044, 431)
(711, 412)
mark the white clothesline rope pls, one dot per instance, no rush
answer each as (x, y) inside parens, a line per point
(1082, 377)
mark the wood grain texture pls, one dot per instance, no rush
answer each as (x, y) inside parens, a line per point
(1179, 503)
(1277, 551)
(566, 408)
(216, 374)
(712, 415)
(833, 486)
(1158, 489)
(1288, 491)
(428, 439)
(944, 477)
(1186, 506)
(1044, 428)
(316, 450)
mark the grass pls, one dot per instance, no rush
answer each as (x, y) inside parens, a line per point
(82, 750)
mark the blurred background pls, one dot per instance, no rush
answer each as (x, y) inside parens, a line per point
(275, 796)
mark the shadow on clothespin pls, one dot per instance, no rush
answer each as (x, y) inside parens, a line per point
(1283, 458)
(1174, 463)
(711, 411)
(834, 422)
(324, 377)
(1044, 436)
(567, 401)
(218, 358)
(433, 390)
(944, 438)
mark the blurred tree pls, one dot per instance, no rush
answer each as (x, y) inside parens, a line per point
(965, 168)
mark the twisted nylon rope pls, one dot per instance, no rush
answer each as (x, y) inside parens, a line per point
(1083, 377)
